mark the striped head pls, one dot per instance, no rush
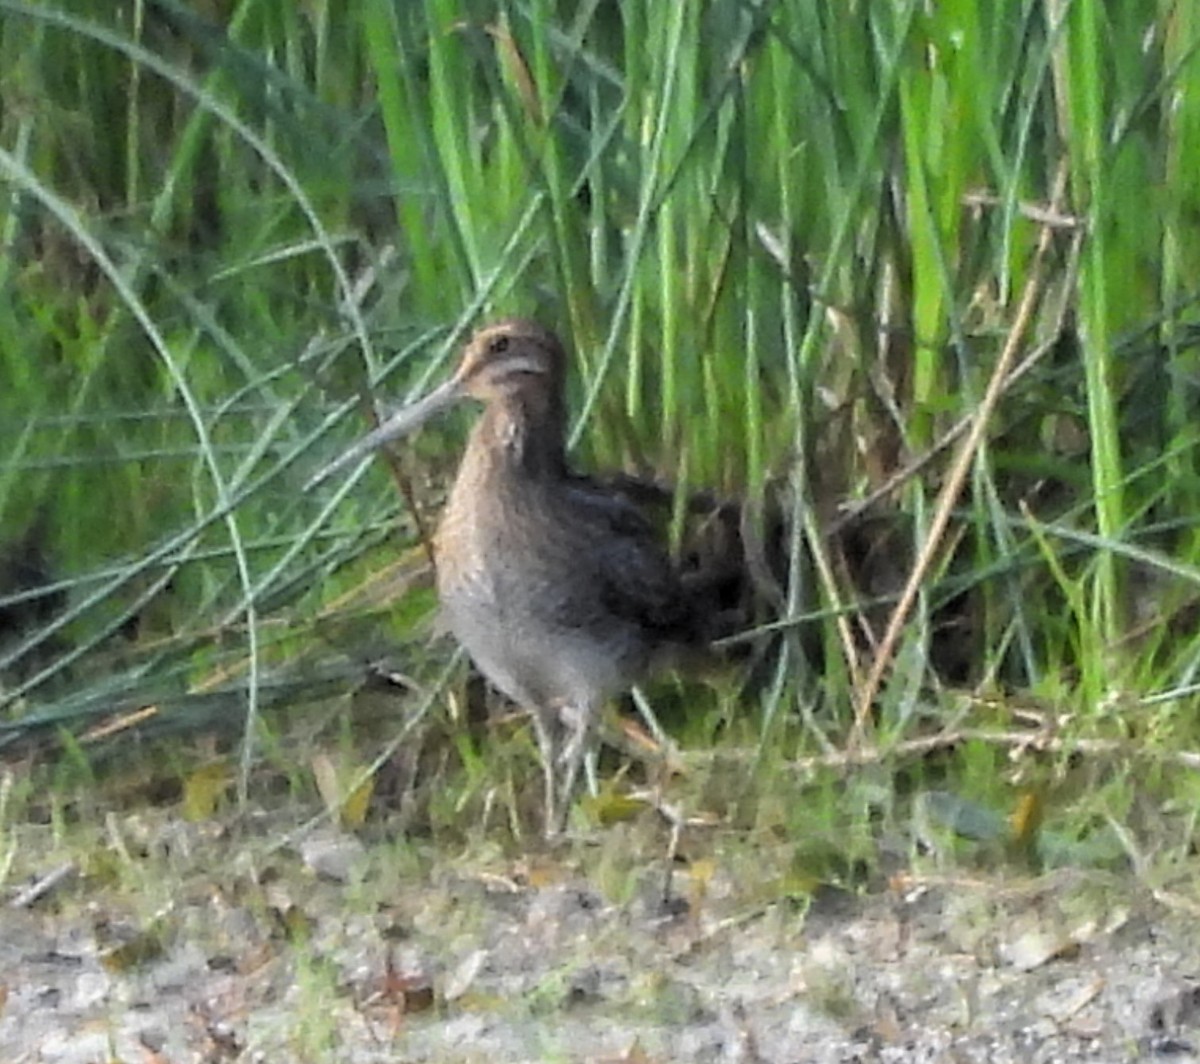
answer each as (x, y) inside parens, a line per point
(514, 361)
(510, 356)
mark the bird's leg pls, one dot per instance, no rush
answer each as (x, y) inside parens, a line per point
(578, 722)
(543, 729)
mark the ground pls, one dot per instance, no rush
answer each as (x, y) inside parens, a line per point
(188, 943)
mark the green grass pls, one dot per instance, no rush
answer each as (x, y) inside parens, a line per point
(787, 243)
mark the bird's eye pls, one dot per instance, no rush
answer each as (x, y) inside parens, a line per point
(498, 346)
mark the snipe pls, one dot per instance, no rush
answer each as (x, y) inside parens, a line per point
(556, 587)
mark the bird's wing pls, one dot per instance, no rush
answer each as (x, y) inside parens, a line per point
(633, 574)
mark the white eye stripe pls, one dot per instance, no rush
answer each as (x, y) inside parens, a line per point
(510, 365)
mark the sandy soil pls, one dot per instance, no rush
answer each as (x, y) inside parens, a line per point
(196, 949)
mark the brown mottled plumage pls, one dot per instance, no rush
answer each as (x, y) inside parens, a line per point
(556, 587)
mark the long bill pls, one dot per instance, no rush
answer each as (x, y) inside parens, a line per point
(401, 423)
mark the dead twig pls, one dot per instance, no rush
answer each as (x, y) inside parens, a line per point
(47, 884)
(1020, 741)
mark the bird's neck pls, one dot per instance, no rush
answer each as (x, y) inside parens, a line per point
(523, 433)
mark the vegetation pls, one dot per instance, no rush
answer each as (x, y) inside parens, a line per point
(917, 279)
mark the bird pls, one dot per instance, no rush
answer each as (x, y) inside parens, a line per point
(555, 584)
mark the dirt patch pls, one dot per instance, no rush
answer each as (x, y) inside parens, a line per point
(203, 947)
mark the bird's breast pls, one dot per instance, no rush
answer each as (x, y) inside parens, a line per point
(522, 591)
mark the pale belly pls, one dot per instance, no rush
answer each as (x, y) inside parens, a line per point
(523, 641)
